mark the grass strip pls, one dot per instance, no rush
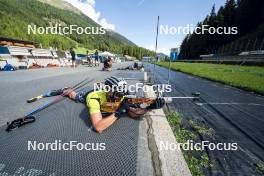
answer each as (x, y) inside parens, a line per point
(250, 78)
(197, 160)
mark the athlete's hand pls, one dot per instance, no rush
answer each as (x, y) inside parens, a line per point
(159, 103)
(70, 93)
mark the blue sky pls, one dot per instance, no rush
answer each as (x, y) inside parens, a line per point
(136, 19)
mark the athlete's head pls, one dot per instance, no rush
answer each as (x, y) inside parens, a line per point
(117, 86)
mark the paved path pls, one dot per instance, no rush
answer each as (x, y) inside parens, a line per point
(235, 116)
(126, 153)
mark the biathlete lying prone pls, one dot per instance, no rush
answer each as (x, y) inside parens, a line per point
(111, 103)
(105, 107)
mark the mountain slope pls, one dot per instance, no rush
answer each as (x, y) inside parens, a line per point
(16, 15)
(60, 4)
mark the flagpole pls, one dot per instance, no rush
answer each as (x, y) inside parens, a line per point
(156, 46)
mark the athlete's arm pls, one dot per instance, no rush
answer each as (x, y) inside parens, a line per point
(100, 123)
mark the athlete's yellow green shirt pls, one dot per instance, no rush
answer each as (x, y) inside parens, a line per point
(95, 100)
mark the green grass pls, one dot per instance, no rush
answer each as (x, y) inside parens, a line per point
(249, 78)
(260, 167)
(197, 160)
(82, 50)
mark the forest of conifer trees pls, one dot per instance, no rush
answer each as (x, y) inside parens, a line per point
(246, 15)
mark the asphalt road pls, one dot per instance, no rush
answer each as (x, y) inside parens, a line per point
(126, 153)
(16, 87)
(235, 116)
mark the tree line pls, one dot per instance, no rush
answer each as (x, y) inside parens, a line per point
(246, 15)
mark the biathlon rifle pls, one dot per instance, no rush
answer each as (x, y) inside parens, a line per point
(132, 100)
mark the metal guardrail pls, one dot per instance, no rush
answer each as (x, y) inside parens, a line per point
(246, 57)
(230, 62)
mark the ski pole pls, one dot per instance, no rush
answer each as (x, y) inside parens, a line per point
(59, 98)
(29, 118)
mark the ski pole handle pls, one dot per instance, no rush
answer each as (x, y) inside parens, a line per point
(31, 100)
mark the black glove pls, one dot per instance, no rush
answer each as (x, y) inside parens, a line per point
(121, 110)
(124, 108)
(56, 92)
(118, 114)
(159, 103)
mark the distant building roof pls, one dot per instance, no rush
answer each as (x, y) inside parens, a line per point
(4, 41)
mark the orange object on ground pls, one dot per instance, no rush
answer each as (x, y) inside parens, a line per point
(52, 65)
(34, 65)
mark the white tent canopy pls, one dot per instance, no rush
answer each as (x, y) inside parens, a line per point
(106, 54)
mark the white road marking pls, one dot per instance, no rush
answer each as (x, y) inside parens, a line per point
(232, 103)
